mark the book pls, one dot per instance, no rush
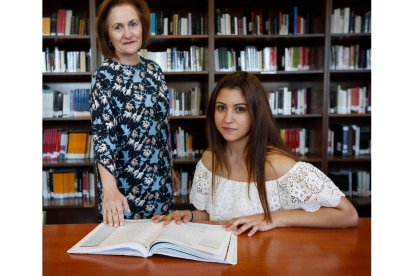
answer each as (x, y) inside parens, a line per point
(45, 25)
(144, 238)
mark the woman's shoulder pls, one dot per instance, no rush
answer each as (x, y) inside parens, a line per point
(149, 63)
(206, 159)
(107, 69)
(277, 165)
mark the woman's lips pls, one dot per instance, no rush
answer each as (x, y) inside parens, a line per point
(228, 129)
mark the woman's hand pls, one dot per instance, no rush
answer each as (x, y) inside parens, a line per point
(254, 223)
(178, 216)
(113, 204)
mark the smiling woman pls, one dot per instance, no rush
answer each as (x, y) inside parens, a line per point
(125, 33)
(248, 179)
(129, 107)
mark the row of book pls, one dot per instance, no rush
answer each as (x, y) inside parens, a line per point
(73, 103)
(58, 61)
(283, 101)
(185, 103)
(181, 143)
(352, 182)
(61, 144)
(174, 59)
(352, 100)
(266, 60)
(163, 23)
(257, 23)
(65, 22)
(186, 180)
(349, 140)
(345, 21)
(343, 140)
(296, 139)
(350, 57)
(68, 183)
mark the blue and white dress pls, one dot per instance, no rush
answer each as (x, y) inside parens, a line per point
(129, 107)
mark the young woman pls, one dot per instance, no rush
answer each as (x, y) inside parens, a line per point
(129, 107)
(248, 179)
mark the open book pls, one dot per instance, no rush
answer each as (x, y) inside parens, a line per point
(143, 238)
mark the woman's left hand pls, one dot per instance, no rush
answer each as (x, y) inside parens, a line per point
(254, 223)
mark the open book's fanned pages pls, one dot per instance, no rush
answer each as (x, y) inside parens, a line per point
(143, 238)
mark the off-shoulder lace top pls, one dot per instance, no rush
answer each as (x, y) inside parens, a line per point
(302, 187)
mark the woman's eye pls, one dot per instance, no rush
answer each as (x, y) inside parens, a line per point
(220, 108)
(133, 24)
(240, 109)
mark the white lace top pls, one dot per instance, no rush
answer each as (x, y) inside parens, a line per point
(302, 187)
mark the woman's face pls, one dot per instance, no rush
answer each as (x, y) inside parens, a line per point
(231, 115)
(125, 33)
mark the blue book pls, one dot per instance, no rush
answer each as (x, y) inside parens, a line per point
(153, 23)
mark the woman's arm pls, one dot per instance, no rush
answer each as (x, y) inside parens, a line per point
(113, 202)
(104, 130)
(342, 216)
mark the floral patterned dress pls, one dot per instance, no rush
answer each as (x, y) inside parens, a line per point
(129, 107)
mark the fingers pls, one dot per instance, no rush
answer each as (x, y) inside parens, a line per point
(125, 205)
(253, 231)
(113, 212)
(240, 225)
(177, 216)
(113, 217)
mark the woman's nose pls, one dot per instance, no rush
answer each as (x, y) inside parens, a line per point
(128, 32)
(228, 118)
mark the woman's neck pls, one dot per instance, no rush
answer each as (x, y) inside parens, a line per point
(235, 152)
(128, 60)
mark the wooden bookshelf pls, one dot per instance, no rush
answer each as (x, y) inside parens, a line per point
(320, 78)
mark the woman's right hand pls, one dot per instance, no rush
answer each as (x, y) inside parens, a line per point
(178, 216)
(113, 204)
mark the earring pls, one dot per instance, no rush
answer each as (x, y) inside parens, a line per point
(110, 44)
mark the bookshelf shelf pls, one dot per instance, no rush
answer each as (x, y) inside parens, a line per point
(190, 38)
(67, 119)
(351, 116)
(255, 39)
(350, 159)
(276, 74)
(67, 74)
(351, 37)
(186, 160)
(353, 71)
(320, 79)
(69, 203)
(67, 38)
(68, 163)
(305, 116)
(185, 73)
(199, 117)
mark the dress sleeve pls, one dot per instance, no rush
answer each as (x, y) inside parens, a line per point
(104, 123)
(309, 188)
(200, 193)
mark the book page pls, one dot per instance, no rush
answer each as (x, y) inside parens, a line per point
(212, 239)
(132, 238)
(133, 231)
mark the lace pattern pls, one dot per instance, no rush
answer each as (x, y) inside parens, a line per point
(302, 187)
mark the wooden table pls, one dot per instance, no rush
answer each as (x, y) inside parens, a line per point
(283, 251)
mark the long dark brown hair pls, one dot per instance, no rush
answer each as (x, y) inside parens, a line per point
(263, 137)
(102, 23)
